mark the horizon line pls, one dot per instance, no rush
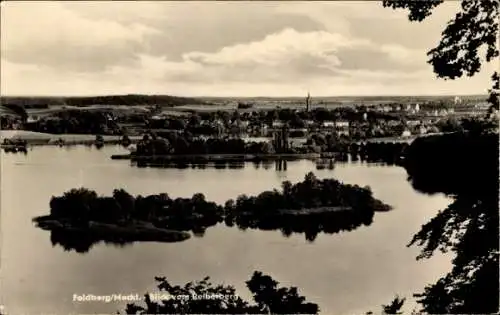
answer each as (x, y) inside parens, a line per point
(247, 96)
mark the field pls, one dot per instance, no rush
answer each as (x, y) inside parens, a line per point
(53, 109)
(172, 104)
(210, 104)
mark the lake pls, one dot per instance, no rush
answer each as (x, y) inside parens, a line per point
(346, 273)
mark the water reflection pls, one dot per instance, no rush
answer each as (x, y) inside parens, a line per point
(310, 225)
(310, 206)
(279, 164)
(82, 242)
(336, 269)
(15, 149)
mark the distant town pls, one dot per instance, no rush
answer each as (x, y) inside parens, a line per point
(54, 120)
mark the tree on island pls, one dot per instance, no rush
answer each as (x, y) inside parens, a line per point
(80, 206)
(310, 207)
(77, 218)
(469, 226)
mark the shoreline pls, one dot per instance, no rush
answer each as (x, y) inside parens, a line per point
(48, 139)
(140, 231)
(217, 157)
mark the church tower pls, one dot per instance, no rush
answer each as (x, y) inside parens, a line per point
(308, 102)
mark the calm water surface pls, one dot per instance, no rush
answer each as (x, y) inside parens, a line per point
(346, 273)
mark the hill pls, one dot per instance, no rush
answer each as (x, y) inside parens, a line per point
(131, 99)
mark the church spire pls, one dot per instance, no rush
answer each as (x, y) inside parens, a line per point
(308, 101)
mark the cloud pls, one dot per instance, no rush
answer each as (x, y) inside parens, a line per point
(46, 33)
(234, 48)
(291, 55)
(370, 20)
(149, 77)
(195, 25)
(277, 48)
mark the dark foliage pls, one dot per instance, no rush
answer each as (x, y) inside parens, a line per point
(14, 146)
(419, 10)
(494, 97)
(458, 52)
(374, 152)
(10, 122)
(268, 299)
(130, 99)
(184, 144)
(77, 122)
(244, 105)
(17, 109)
(395, 306)
(465, 166)
(427, 157)
(311, 206)
(159, 151)
(79, 206)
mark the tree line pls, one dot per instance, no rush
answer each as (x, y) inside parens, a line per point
(130, 99)
(303, 207)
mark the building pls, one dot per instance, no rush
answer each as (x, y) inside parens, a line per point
(443, 112)
(328, 124)
(244, 123)
(342, 124)
(406, 133)
(32, 119)
(343, 132)
(393, 123)
(308, 102)
(413, 123)
(482, 106)
(277, 124)
(309, 122)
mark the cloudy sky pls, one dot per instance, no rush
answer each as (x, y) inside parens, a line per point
(222, 49)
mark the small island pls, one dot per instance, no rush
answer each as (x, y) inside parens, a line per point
(172, 148)
(309, 207)
(81, 218)
(182, 150)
